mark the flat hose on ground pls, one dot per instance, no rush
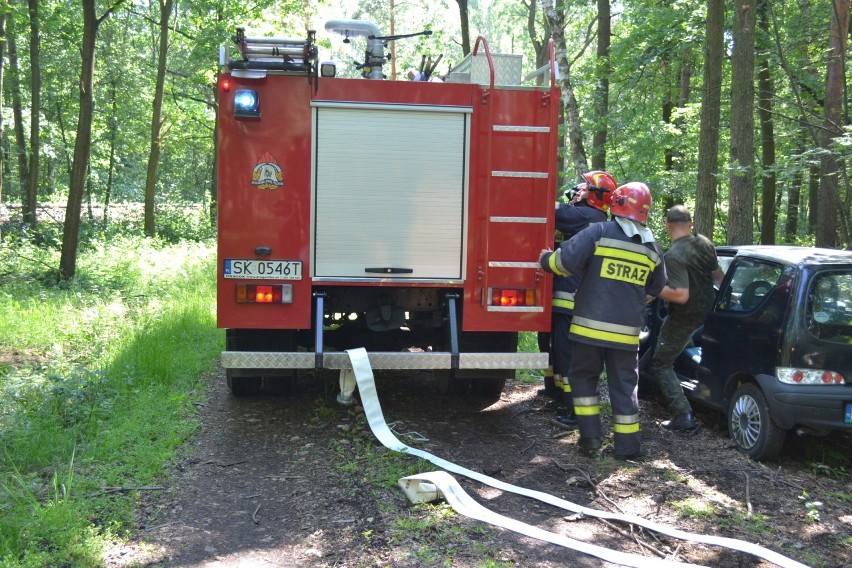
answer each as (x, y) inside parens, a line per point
(439, 484)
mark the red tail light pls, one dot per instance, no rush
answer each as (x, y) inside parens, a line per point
(511, 297)
(264, 293)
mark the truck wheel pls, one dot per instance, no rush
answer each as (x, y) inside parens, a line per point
(280, 385)
(243, 386)
(751, 427)
(491, 387)
(448, 383)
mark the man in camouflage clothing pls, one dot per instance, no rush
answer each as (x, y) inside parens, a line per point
(692, 268)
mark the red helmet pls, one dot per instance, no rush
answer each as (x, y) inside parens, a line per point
(632, 200)
(601, 186)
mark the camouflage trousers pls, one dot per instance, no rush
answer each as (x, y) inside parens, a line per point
(673, 338)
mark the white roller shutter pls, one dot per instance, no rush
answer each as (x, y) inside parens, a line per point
(389, 192)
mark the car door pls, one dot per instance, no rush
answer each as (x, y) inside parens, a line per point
(743, 331)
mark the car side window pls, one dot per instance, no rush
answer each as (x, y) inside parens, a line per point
(750, 282)
(829, 306)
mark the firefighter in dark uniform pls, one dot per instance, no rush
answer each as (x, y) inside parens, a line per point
(587, 203)
(622, 268)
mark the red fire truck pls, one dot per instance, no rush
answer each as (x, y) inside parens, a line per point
(405, 217)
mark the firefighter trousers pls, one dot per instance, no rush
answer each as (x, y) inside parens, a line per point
(587, 362)
(545, 346)
(561, 324)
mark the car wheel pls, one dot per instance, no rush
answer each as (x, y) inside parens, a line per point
(750, 425)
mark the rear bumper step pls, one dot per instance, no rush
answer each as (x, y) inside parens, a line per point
(382, 360)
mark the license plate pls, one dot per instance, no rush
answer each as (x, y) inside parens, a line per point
(247, 269)
(848, 417)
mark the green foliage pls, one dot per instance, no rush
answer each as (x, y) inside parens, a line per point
(654, 67)
(382, 467)
(812, 507)
(434, 533)
(694, 508)
(90, 361)
(754, 523)
(177, 223)
(528, 343)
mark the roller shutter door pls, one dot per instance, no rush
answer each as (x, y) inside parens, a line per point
(389, 193)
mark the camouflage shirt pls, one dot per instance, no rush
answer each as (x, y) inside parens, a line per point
(690, 263)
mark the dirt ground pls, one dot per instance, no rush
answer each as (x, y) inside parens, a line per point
(287, 481)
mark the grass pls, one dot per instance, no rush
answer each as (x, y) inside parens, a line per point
(528, 343)
(434, 534)
(84, 364)
(694, 508)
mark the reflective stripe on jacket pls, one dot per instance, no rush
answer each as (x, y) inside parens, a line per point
(570, 220)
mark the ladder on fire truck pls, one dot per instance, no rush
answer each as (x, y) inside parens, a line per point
(538, 134)
(281, 54)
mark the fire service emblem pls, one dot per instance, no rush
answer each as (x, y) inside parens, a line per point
(267, 174)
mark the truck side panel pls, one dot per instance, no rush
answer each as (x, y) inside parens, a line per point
(513, 188)
(275, 214)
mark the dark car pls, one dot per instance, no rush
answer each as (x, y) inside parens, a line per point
(775, 353)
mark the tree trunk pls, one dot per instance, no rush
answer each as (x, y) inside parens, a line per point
(35, 111)
(813, 197)
(464, 19)
(765, 97)
(711, 104)
(113, 136)
(741, 209)
(63, 134)
(830, 165)
(157, 117)
(794, 197)
(3, 17)
(82, 144)
(601, 109)
(673, 155)
(575, 150)
(18, 116)
(541, 46)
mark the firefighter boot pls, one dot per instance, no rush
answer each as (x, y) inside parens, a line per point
(684, 422)
(565, 417)
(589, 446)
(549, 389)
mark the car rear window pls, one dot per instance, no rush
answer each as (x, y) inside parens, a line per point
(829, 306)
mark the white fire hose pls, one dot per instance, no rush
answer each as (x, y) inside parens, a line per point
(434, 485)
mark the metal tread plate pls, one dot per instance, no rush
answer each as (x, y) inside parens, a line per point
(383, 360)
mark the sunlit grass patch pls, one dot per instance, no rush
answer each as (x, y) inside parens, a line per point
(695, 508)
(98, 376)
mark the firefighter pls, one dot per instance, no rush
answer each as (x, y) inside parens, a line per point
(545, 341)
(586, 203)
(622, 268)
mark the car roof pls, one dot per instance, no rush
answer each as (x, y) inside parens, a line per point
(789, 254)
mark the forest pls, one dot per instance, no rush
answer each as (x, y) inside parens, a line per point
(108, 202)
(738, 110)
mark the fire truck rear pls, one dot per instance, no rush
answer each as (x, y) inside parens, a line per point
(405, 217)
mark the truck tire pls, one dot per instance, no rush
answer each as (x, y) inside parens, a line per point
(750, 425)
(488, 383)
(283, 384)
(243, 386)
(244, 382)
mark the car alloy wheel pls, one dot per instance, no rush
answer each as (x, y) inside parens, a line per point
(751, 427)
